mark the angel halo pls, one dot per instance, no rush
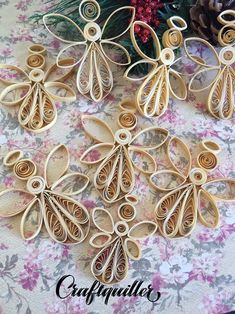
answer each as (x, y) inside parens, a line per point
(94, 76)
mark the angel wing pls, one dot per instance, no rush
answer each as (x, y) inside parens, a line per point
(66, 220)
(222, 94)
(176, 212)
(114, 177)
(153, 94)
(94, 77)
(110, 265)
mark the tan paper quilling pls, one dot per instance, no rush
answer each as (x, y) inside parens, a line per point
(127, 119)
(220, 67)
(190, 195)
(35, 91)
(117, 153)
(162, 81)
(94, 76)
(117, 242)
(47, 199)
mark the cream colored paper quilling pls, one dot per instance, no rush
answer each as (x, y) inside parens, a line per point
(46, 199)
(94, 76)
(127, 119)
(35, 91)
(117, 242)
(190, 195)
(219, 67)
(117, 153)
(153, 94)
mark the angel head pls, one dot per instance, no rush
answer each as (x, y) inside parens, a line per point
(216, 70)
(117, 241)
(47, 199)
(190, 195)
(35, 90)
(162, 80)
(95, 46)
(117, 154)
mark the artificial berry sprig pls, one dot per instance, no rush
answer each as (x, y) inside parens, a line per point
(146, 11)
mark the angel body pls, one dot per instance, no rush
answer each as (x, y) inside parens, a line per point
(153, 95)
(117, 242)
(47, 199)
(176, 213)
(35, 93)
(114, 177)
(94, 76)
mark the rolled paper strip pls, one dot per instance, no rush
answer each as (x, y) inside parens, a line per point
(35, 61)
(226, 35)
(12, 157)
(211, 146)
(121, 228)
(154, 36)
(172, 38)
(198, 176)
(128, 104)
(100, 239)
(36, 185)
(92, 31)
(167, 56)
(225, 21)
(36, 75)
(132, 249)
(176, 146)
(89, 10)
(132, 199)
(37, 49)
(127, 120)
(103, 220)
(126, 212)
(142, 230)
(123, 137)
(227, 55)
(207, 160)
(177, 22)
(24, 169)
(56, 164)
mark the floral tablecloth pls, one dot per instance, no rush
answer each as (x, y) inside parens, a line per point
(194, 275)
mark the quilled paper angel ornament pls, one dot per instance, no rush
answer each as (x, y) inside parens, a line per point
(47, 199)
(117, 153)
(95, 45)
(36, 90)
(190, 195)
(117, 242)
(216, 73)
(153, 95)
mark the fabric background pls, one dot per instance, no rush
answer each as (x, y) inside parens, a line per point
(194, 275)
